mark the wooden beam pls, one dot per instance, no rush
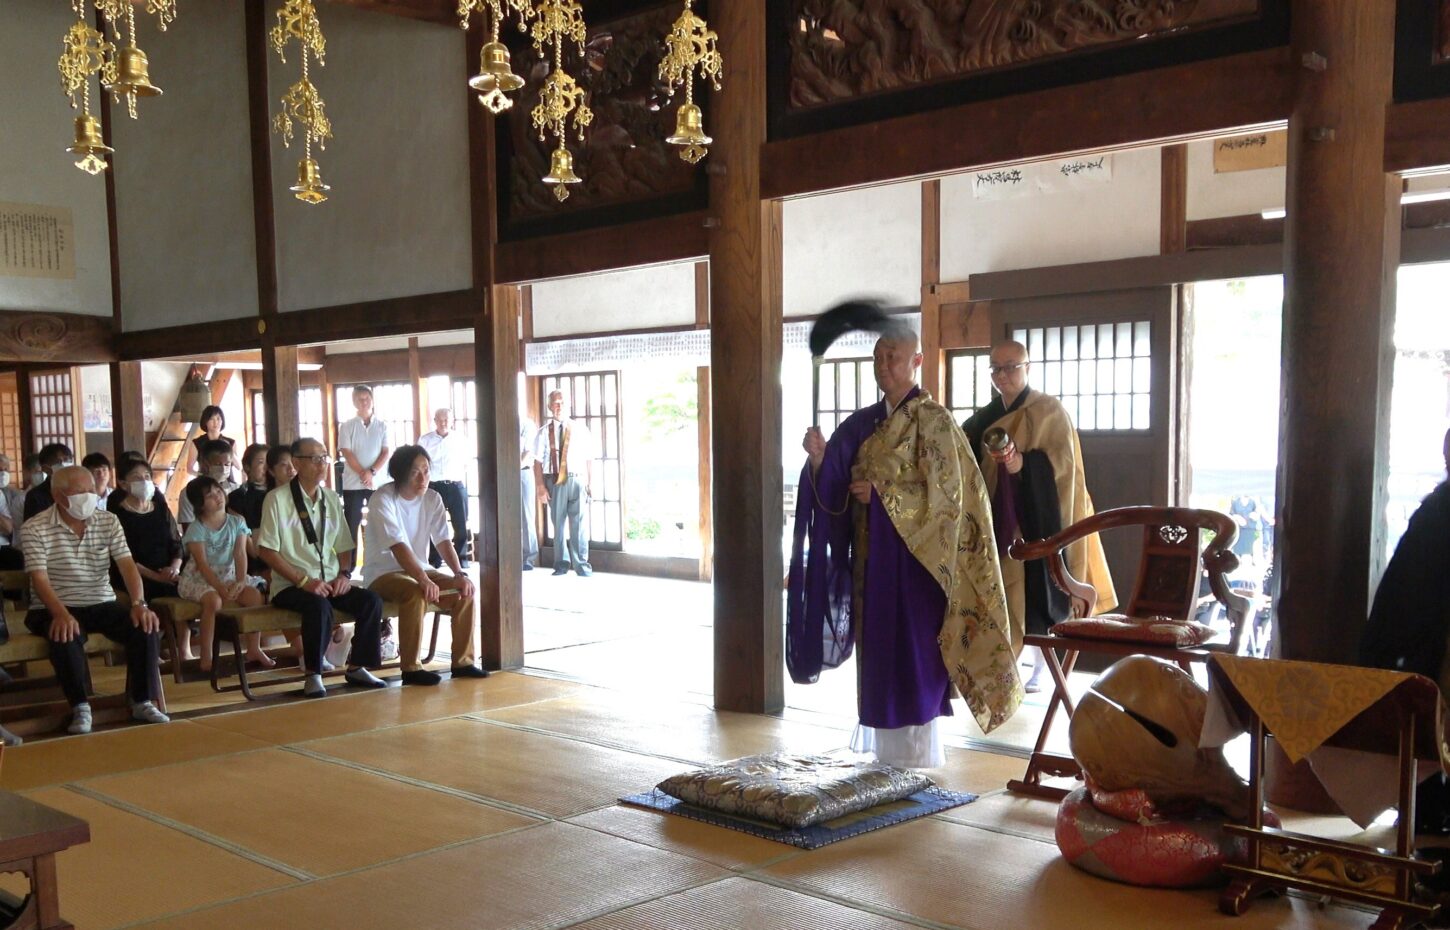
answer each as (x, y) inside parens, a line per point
(279, 394)
(1415, 135)
(259, 116)
(1117, 274)
(421, 313)
(933, 379)
(648, 242)
(745, 361)
(55, 338)
(128, 407)
(1341, 248)
(428, 11)
(113, 239)
(420, 395)
(1173, 200)
(181, 341)
(1150, 107)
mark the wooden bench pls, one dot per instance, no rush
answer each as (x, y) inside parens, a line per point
(30, 836)
(233, 623)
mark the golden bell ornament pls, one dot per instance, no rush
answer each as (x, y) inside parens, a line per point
(309, 187)
(690, 133)
(133, 77)
(495, 78)
(90, 145)
(561, 173)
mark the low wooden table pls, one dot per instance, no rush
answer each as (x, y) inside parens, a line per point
(30, 836)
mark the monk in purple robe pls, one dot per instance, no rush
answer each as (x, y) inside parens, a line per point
(894, 557)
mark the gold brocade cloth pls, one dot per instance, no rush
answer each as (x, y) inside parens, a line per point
(1042, 424)
(927, 478)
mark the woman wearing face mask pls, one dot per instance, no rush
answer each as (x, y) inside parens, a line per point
(217, 571)
(150, 531)
(213, 421)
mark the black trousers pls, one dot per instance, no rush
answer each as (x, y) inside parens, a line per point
(318, 619)
(11, 559)
(352, 508)
(112, 621)
(455, 499)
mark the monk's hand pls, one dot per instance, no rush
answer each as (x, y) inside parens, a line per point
(1011, 459)
(861, 490)
(815, 445)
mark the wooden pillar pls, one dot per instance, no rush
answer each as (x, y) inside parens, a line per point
(1341, 245)
(745, 358)
(279, 392)
(422, 416)
(933, 377)
(128, 408)
(499, 546)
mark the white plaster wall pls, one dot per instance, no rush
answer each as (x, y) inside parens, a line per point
(36, 124)
(1101, 222)
(397, 223)
(1233, 193)
(160, 382)
(184, 177)
(854, 243)
(638, 298)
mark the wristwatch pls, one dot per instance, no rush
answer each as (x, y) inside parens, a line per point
(139, 603)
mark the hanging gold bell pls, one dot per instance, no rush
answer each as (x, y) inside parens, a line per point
(495, 78)
(690, 133)
(309, 187)
(90, 145)
(133, 77)
(561, 172)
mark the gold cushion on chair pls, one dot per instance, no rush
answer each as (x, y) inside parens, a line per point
(1150, 631)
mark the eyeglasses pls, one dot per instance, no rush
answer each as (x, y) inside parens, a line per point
(1006, 369)
(319, 459)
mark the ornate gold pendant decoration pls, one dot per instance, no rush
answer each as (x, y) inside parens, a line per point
(86, 52)
(495, 78)
(302, 107)
(691, 45)
(561, 100)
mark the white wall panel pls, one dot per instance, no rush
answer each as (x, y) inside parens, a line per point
(1233, 193)
(184, 176)
(850, 244)
(639, 298)
(36, 124)
(397, 223)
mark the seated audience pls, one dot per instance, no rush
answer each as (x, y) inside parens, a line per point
(100, 468)
(69, 547)
(124, 465)
(12, 516)
(279, 471)
(405, 517)
(303, 537)
(216, 572)
(216, 465)
(53, 456)
(150, 530)
(212, 422)
(246, 501)
(32, 472)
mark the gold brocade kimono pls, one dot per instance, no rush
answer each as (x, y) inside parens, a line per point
(1042, 424)
(920, 465)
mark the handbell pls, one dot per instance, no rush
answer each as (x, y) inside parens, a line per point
(309, 187)
(996, 440)
(133, 77)
(495, 78)
(89, 144)
(690, 133)
(561, 172)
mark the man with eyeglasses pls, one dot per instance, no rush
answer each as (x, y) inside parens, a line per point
(303, 538)
(1037, 486)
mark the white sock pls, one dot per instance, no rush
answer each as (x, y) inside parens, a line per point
(314, 685)
(1039, 665)
(362, 675)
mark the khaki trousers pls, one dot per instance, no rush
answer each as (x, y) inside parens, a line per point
(402, 590)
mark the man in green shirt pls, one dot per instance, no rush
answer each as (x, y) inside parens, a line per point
(302, 536)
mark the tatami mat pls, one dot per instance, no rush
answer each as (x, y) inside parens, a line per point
(728, 848)
(976, 772)
(1010, 813)
(311, 815)
(560, 777)
(966, 877)
(670, 728)
(739, 903)
(71, 758)
(547, 876)
(134, 869)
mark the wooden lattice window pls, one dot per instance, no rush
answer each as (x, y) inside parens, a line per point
(969, 381)
(847, 385)
(11, 438)
(52, 408)
(1102, 372)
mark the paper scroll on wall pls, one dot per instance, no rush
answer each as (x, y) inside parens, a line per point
(1250, 151)
(36, 241)
(1044, 177)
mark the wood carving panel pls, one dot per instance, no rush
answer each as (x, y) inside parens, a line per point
(846, 49)
(54, 337)
(624, 158)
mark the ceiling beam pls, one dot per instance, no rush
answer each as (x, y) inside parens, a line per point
(429, 11)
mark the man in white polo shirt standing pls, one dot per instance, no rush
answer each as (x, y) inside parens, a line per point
(448, 453)
(363, 444)
(69, 548)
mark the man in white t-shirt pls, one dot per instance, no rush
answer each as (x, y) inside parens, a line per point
(564, 471)
(362, 442)
(404, 518)
(448, 452)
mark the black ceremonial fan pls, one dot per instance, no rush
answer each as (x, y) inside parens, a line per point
(847, 317)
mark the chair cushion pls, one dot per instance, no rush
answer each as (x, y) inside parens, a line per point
(1150, 631)
(261, 619)
(27, 647)
(182, 610)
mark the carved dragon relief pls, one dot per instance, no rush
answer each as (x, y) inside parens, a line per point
(625, 157)
(843, 49)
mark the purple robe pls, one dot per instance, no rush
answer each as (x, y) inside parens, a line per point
(902, 680)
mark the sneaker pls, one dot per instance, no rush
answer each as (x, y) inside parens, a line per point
(80, 719)
(9, 739)
(147, 712)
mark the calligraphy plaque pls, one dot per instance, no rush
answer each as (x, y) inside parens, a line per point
(36, 241)
(1251, 150)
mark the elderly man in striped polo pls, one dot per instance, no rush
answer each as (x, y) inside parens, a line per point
(69, 548)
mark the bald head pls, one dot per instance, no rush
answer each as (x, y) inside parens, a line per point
(901, 334)
(71, 479)
(1010, 366)
(1004, 353)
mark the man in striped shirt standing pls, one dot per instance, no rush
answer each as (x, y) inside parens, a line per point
(73, 543)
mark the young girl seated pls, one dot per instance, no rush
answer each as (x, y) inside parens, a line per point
(217, 571)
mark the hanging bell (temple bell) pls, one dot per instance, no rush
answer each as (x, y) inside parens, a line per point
(495, 78)
(309, 187)
(89, 144)
(690, 133)
(561, 173)
(133, 75)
